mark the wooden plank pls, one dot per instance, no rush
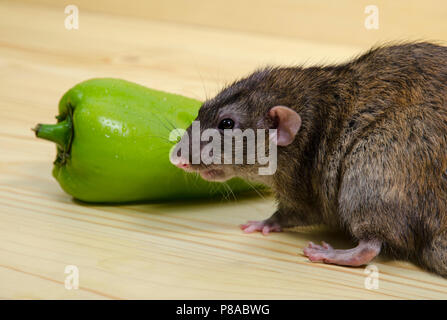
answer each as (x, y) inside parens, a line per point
(340, 22)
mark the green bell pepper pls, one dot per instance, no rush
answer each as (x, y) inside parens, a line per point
(113, 144)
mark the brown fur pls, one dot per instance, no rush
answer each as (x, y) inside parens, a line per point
(371, 155)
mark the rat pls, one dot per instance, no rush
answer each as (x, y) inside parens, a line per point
(361, 147)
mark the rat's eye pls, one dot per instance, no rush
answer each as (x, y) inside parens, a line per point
(226, 124)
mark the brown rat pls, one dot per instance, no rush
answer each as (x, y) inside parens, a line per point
(362, 147)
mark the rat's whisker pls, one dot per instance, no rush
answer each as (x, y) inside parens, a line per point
(230, 190)
(163, 138)
(255, 189)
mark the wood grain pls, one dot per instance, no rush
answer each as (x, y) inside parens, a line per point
(183, 250)
(339, 22)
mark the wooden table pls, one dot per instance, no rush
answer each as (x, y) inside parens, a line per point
(165, 251)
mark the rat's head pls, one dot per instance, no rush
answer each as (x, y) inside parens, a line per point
(237, 132)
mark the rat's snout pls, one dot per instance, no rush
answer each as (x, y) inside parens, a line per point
(181, 163)
(178, 160)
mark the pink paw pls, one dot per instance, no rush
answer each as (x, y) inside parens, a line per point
(263, 226)
(316, 253)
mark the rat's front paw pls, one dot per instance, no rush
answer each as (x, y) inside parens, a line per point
(264, 226)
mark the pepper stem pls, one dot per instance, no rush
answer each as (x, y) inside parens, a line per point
(60, 133)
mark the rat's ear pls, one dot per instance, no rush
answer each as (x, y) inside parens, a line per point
(287, 123)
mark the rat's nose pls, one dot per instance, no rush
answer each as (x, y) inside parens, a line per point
(183, 164)
(180, 162)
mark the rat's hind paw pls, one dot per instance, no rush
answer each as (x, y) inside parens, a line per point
(316, 253)
(264, 226)
(360, 255)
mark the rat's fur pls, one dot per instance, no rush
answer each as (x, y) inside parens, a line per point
(371, 155)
